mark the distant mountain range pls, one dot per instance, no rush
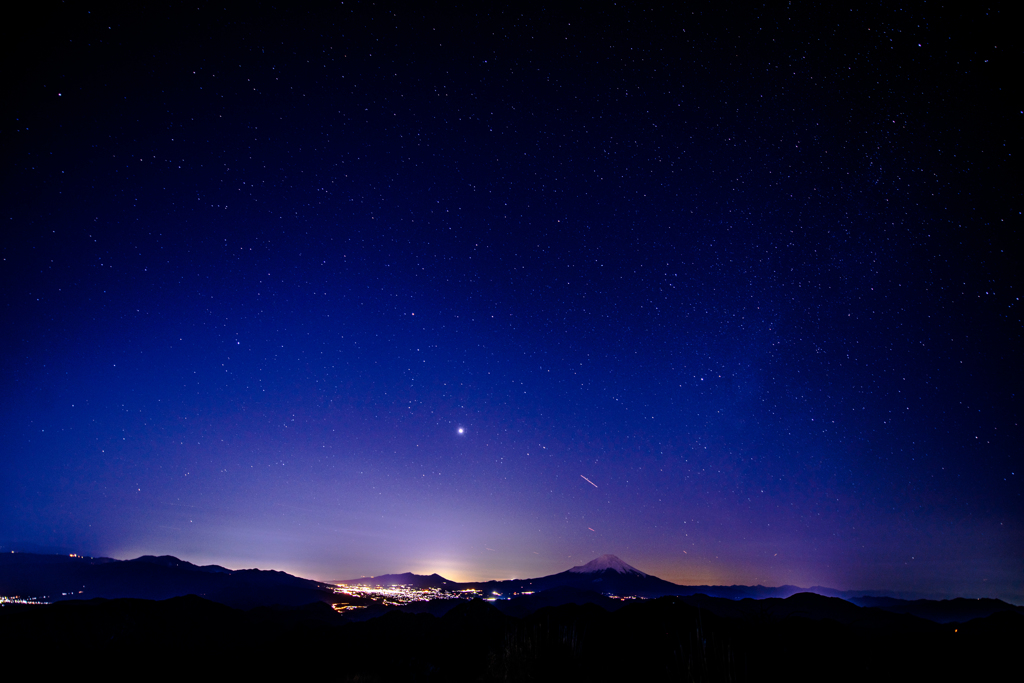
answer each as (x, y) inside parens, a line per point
(71, 577)
(601, 581)
(608, 576)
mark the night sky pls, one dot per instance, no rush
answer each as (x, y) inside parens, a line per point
(731, 293)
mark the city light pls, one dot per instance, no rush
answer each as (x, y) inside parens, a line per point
(18, 600)
(396, 596)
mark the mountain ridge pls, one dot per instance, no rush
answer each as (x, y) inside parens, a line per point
(404, 579)
(610, 575)
(72, 577)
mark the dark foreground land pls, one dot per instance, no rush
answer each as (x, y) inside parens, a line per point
(803, 638)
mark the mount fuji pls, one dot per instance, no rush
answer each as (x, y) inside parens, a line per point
(606, 562)
(606, 574)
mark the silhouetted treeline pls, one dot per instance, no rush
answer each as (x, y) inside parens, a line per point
(657, 640)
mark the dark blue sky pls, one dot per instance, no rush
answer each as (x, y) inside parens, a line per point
(752, 272)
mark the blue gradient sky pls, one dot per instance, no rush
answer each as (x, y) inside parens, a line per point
(753, 272)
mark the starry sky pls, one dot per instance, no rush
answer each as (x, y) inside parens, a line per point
(729, 292)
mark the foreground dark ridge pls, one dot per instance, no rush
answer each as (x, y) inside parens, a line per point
(666, 639)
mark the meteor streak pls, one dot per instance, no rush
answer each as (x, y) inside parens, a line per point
(589, 482)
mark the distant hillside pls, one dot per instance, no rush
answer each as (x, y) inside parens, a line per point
(942, 611)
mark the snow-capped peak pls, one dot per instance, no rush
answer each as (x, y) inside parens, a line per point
(607, 562)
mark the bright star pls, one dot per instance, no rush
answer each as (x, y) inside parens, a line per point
(461, 430)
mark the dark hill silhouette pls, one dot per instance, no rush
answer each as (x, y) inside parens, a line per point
(941, 611)
(811, 607)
